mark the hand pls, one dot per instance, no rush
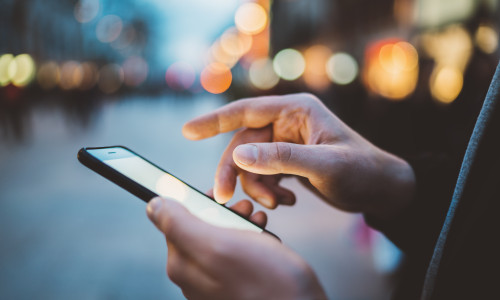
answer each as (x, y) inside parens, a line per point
(244, 208)
(209, 262)
(296, 134)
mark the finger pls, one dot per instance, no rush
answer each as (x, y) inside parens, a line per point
(225, 181)
(283, 195)
(259, 218)
(251, 113)
(284, 158)
(210, 193)
(187, 233)
(259, 191)
(308, 185)
(227, 171)
(186, 274)
(243, 208)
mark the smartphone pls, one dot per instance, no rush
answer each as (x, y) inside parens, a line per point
(146, 180)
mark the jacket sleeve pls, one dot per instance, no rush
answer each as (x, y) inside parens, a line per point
(416, 229)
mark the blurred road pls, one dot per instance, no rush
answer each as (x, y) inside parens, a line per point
(66, 233)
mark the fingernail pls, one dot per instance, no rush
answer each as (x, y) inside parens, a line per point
(217, 197)
(154, 205)
(221, 200)
(246, 154)
(264, 201)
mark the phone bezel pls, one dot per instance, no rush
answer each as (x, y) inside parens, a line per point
(143, 193)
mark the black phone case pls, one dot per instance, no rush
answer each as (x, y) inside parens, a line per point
(114, 176)
(128, 184)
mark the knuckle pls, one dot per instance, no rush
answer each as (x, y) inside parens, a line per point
(174, 270)
(308, 97)
(218, 252)
(223, 123)
(283, 152)
(166, 224)
(338, 163)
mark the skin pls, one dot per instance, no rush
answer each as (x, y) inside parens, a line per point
(297, 135)
(277, 136)
(209, 262)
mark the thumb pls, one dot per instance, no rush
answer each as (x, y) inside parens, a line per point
(181, 228)
(282, 158)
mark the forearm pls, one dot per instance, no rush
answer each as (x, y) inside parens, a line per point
(394, 187)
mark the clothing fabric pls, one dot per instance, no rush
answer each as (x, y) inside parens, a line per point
(457, 237)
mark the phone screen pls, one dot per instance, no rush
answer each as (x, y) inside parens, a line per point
(166, 185)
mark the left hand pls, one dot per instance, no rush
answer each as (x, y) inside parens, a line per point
(209, 262)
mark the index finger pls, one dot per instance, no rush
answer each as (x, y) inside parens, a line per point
(251, 113)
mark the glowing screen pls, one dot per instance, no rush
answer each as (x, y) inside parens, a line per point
(167, 185)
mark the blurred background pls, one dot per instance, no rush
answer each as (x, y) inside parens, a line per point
(410, 75)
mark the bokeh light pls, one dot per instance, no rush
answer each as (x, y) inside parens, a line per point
(109, 28)
(342, 68)
(451, 50)
(432, 13)
(262, 75)
(289, 64)
(90, 75)
(451, 46)
(235, 43)
(180, 76)
(316, 58)
(21, 70)
(126, 38)
(446, 83)
(135, 70)
(391, 69)
(110, 78)
(86, 10)
(218, 54)
(216, 78)
(260, 48)
(251, 18)
(398, 57)
(71, 75)
(486, 39)
(5, 61)
(48, 75)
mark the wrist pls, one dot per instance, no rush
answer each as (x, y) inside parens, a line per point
(397, 185)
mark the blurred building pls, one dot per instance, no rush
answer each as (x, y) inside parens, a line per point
(87, 31)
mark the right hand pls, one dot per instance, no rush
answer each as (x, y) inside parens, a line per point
(296, 134)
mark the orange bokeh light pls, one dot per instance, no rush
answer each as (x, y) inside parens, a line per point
(216, 78)
(315, 72)
(71, 75)
(90, 75)
(446, 84)
(219, 54)
(391, 68)
(235, 43)
(48, 75)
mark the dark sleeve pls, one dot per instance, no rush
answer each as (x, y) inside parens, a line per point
(416, 229)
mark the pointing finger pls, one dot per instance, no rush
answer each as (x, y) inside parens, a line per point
(251, 113)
